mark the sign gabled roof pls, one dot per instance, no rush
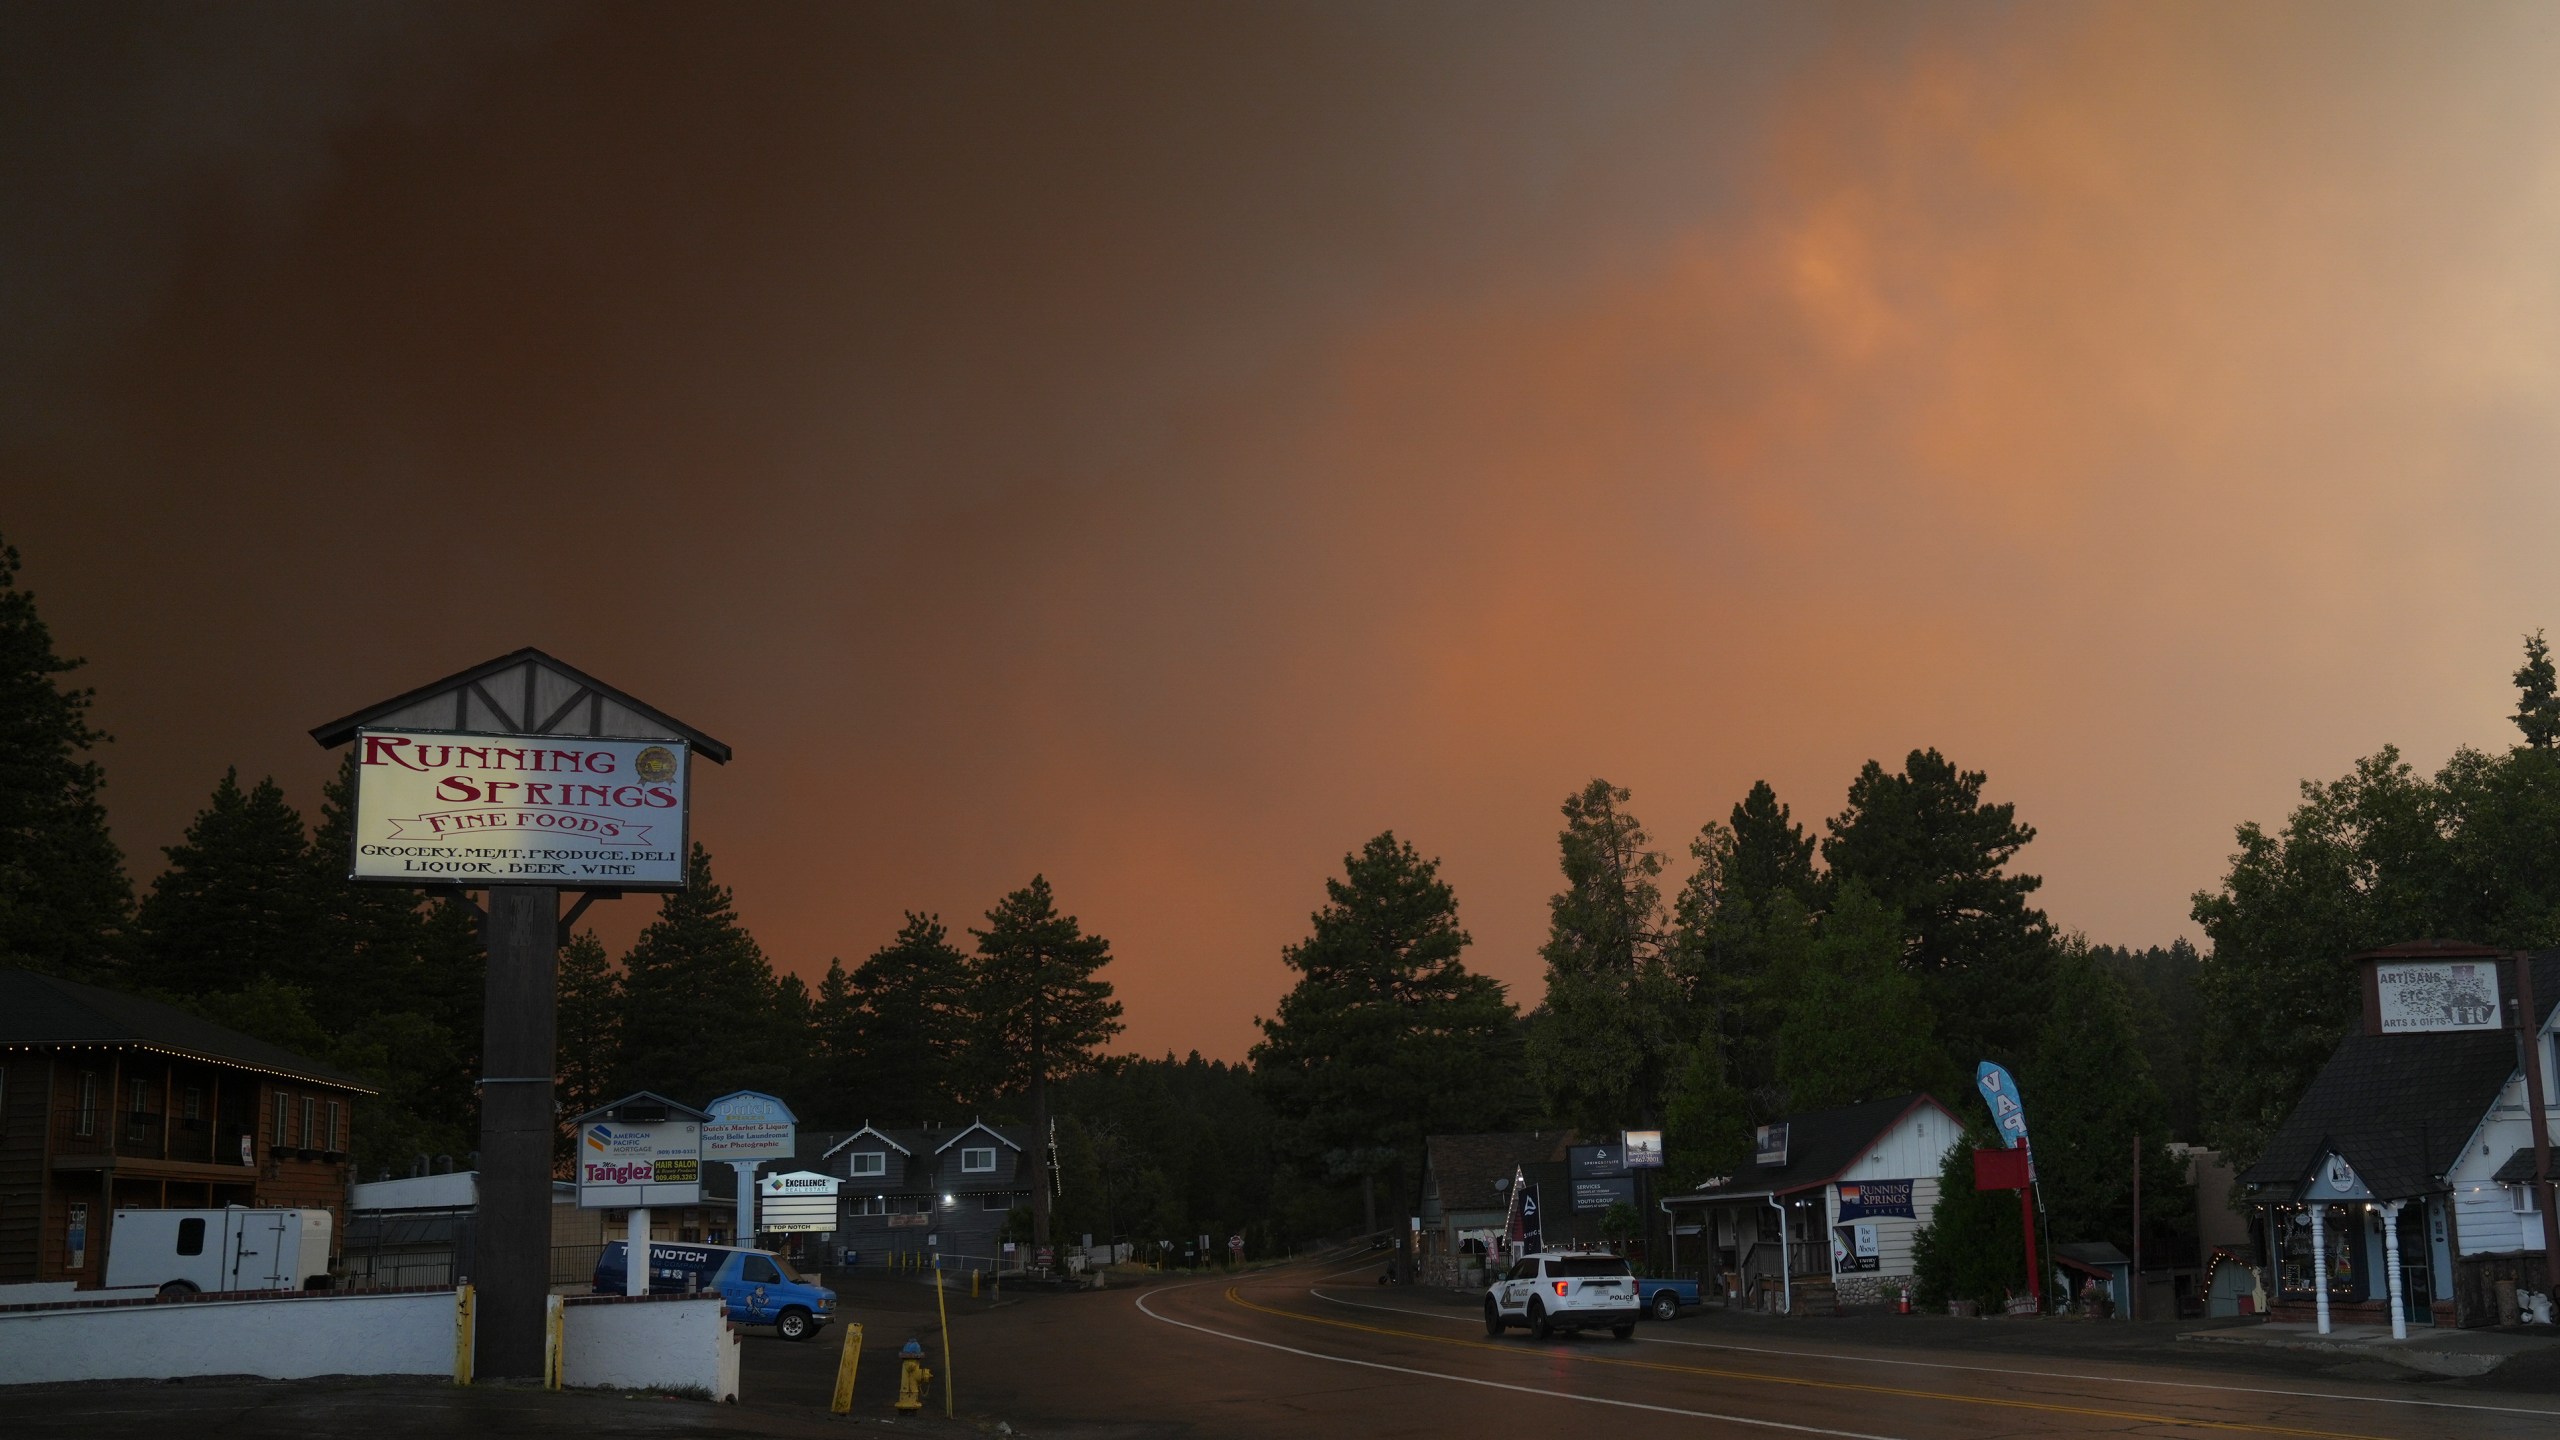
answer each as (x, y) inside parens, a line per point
(523, 693)
(676, 1109)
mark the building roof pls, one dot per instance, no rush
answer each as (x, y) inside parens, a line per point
(1820, 1145)
(825, 1152)
(45, 1010)
(2399, 1108)
(974, 1126)
(882, 1135)
(2519, 1167)
(1474, 1171)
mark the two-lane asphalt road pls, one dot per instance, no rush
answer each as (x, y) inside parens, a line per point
(1286, 1351)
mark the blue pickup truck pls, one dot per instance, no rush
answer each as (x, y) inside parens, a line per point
(1663, 1297)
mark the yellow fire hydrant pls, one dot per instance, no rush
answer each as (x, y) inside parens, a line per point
(912, 1376)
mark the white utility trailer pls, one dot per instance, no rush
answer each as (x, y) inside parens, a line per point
(185, 1252)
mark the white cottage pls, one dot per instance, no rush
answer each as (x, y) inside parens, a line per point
(2400, 1189)
(1827, 1211)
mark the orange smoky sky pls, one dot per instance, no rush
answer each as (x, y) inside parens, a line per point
(1163, 446)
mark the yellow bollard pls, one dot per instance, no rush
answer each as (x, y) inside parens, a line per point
(973, 1284)
(947, 1365)
(555, 1341)
(846, 1364)
(462, 1337)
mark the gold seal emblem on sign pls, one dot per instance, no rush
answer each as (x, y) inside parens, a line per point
(655, 763)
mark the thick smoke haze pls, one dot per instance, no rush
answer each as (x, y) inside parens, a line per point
(1162, 446)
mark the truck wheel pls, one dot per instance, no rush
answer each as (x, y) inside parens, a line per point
(1538, 1326)
(1493, 1318)
(177, 1290)
(1666, 1306)
(793, 1324)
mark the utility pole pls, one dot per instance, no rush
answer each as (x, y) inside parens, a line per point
(2530, 1060)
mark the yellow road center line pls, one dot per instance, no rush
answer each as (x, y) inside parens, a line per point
(1234, 1297)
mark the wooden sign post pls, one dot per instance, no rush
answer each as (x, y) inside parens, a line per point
(519, 778)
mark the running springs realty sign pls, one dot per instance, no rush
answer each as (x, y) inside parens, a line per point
(440, 808)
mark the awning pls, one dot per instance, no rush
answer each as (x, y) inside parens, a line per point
(2519, 1168)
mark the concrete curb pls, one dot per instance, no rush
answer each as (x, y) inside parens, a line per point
(2453, 1364)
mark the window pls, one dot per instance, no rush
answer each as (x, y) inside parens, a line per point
(336, 1109)
(191, 1102)
(757, 1270)
(979, 1161)
(310, 1108)
(87, 1117)
(868, 1205)
(191, 1235)
(995, 1200)
(868, 1162)
(284, 1109)
(2522, 1197)
(133, 1092)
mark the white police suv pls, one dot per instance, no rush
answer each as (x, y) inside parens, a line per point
(1563, 1291)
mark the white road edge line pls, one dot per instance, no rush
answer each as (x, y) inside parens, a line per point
(1995, 1369)
(1499, 1385)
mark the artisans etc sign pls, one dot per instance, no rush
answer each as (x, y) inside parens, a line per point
(441, 808)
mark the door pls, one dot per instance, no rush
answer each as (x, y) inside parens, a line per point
(749, 1289)
(241, 1252)
(2417, 1266)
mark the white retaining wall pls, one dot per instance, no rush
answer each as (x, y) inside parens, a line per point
(651, 1343)
(285, 1338)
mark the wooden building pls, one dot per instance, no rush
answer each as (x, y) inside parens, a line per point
(944, 1192)
(109, 1100)
(1831, 1213)
(2410, 1158)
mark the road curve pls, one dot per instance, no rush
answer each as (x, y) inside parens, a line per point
(1318, 1347)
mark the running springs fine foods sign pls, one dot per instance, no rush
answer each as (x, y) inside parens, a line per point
(440, 808)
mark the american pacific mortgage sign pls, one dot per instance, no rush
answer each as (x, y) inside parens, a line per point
(440, 808)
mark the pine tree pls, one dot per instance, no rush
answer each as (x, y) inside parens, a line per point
(1386, 1037)
(1729, 920)
(235, 904)
(2090, 1098)
(1855, 1025)
(894, 1033)
(2537, 695)
(1771, 855)
(1926, 844)
(64, 898)
(1038, 1011)
(589, 1019)
(368, 939)
(696, 972)
(1602, 1044)
(1706, 1122)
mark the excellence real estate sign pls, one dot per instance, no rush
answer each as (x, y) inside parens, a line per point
(442, 808)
